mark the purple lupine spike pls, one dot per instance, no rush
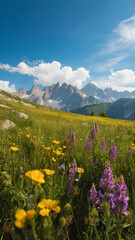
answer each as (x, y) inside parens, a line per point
(113, 152)
(71, 177)
(96, 126)
(88, 144)
(103, 144)
(93, 196)
(72, 137)
(129, 150)
(107, 181)
(119, 200)
(94, 133)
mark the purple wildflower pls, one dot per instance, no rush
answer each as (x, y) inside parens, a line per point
(103, 144)
(96, 162)
(119, 200)
(113, 152)
(94, 133)
(72, 137)
(21, 170)
(93, 196)
(96, 126)
(88, 144)
(71, 177)
(91, 161)
(129, 150)
(62, 167)
(107, 181)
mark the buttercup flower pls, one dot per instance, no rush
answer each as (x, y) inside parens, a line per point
(36, 176)
(14, 149)
(49, 172)
(80, 170)
(21, 217)
(47, 205)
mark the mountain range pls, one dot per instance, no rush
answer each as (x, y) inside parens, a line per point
(67, 97)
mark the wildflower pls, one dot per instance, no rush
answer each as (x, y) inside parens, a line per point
(129, 150)
(71, 177)
(28, 135)
(21, 170)
(36, 176)
(57, 152)
(64, 147)
(47, 205)
(14, 149)
(119, 200)
(94, 133)
(96, 127)
(112, 152)
(93, 196)
(21, 217)
(88, 144)
(30, 214)
(107, 181)
(103, 144)
(80, 170)
(91, 161)
(48, 148)
(49, 172)
(27, 128)
(62, 167)
(21, 132)
(96, 162)
(56, 142)
(53, 159)
(72, 137)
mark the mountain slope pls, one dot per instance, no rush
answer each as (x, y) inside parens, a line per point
(123, 108)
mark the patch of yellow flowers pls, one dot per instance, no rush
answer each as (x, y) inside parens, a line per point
(21, 217)
(47, 205)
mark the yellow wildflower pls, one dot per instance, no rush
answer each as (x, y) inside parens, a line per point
(64, 147)
(27, 128)
(80, 170)
(30, 214)
(21, 132)
(36, 176)
(48, 148)
(28, 135)
(44, 212)
(59, 148)
(56, 142)
(53, 159)
(14, 149)
(21, 217)
(49, 172)
(49, 204)
(57, 152)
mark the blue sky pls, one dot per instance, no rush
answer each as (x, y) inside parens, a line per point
(73, 41)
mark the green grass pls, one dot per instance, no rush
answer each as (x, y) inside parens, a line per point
(76, 219)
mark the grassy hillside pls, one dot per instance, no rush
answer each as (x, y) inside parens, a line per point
(48, 164)
(123, 108)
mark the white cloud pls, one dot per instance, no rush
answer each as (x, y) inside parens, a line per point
(119, 80)
(4, 85)
(122, 37)
(107, 64)
(50, 73)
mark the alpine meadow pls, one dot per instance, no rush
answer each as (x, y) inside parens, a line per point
(63, 175)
